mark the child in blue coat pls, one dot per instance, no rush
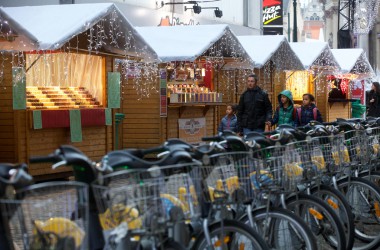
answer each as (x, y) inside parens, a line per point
(307, 112)
(229, 122)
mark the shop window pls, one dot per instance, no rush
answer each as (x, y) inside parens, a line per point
(64, 81)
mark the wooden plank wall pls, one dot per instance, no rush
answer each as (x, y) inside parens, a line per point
(142, 124)
(7, 128)
(190, 112)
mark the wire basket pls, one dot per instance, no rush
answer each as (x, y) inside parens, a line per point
(50, 215)
(227, 178)
(373, 137)
(356, 142)
(279, 167)
(143, 201)
(334, 152)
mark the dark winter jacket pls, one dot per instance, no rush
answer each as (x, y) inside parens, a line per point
(373, 107)
(307, 115)
(254, 109)
(284, 115)
(228, 124)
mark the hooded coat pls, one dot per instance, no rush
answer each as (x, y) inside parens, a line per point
(284, 115)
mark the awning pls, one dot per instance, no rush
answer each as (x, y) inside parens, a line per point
(263, 49)
(49, 27)
(353, 61)
(187, 43)
(315, 55)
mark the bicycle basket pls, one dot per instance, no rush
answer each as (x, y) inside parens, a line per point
(356, 142)
(280, 168)
(227, 178)
(373, 137)
(334, 152)
(138, 200)
(50, 215)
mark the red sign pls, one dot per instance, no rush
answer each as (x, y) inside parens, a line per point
(357, 90)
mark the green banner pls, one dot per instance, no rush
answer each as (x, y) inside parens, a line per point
(75, 125)
(37, 119)
(19, 88)
(108, 113)
(113, 90)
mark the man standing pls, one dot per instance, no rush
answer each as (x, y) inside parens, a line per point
(254, 108)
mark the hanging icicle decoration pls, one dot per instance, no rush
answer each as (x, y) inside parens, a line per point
(365, 15)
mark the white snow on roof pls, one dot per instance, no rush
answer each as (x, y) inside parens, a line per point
(309, 52)
(261, 49)
(183, 43)
(350, 59)
(48, 27)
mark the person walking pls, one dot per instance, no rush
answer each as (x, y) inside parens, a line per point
(229, 121)
(373, 100)
(285, 112)
(254, 109)
(308, 111)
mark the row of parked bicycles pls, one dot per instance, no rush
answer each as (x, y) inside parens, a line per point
(312, 187)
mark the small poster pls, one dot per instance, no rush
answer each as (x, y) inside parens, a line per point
(192, 130)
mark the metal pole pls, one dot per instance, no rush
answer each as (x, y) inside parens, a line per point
(295, 21)
(288, 26)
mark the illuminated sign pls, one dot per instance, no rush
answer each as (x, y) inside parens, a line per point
(272, 12)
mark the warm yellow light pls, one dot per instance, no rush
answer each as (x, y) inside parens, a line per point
(203, 71)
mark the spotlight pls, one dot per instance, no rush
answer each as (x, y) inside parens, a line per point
(197, 9)
(218, 13)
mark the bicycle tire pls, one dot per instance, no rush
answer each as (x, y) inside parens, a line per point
(341, 206)
(373, 176)
(230, 227)
(279, 217)
(319, 226)
(349, 184)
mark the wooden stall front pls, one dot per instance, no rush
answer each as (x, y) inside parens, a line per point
(64, 96)
(148, 123)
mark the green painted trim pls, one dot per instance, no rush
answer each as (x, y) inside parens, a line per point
(108, 113)
(75, 125)
(113, 93)
(37, 119)
(18, 88)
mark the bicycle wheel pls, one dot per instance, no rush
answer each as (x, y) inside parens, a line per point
(373, 176)
(342, 208)
(229, 234)
(364, 198)
(321, 219)
(281, 229)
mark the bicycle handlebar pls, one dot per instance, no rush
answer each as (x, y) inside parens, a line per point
(52, 158)
(213, 138)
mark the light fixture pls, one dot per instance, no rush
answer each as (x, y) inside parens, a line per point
(203, 71)
(218, 13)
(196, 8)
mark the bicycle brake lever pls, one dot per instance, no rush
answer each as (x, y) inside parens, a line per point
(58, 164)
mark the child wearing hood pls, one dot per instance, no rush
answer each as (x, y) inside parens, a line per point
(308, 111)
(285, 112)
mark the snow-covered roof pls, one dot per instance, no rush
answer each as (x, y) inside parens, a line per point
(187, 43)
(49, 27)
(276, 48)
(353, 61)
(314, 54)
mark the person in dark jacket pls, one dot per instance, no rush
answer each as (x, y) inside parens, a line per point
(254, 108)
(308, 111)
(373, 100)
(285, 112)
(229, 122)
